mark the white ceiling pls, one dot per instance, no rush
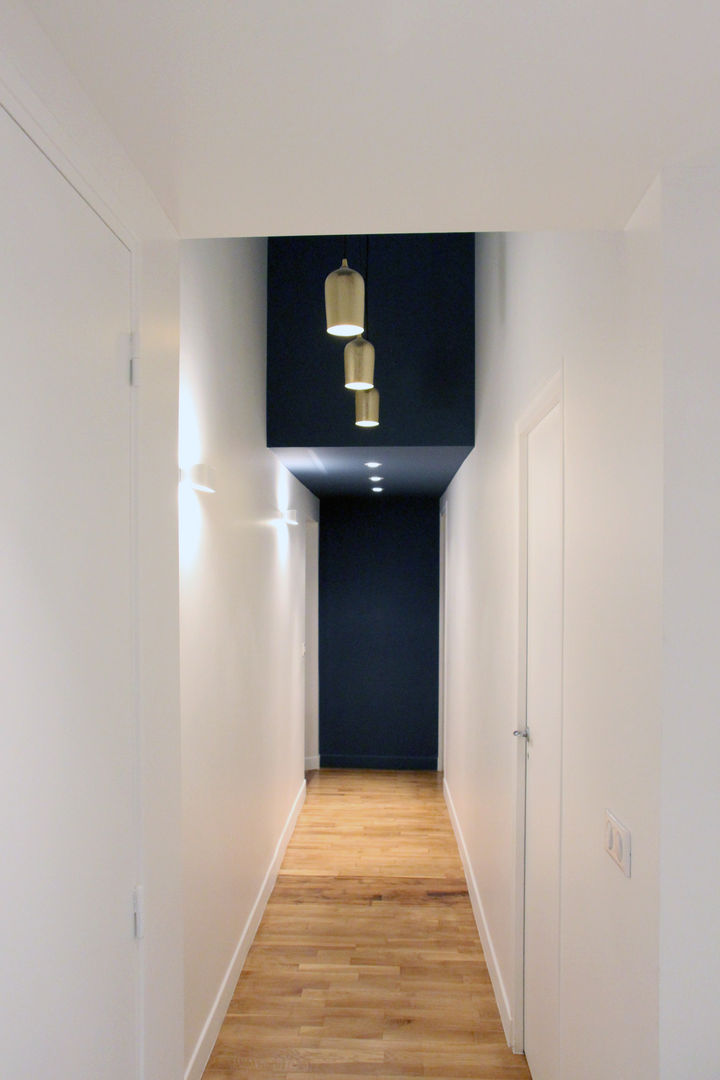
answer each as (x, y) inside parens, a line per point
(261, 117)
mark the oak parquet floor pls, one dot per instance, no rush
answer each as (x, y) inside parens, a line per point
(367, 961)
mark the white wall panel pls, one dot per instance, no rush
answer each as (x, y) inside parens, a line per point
(242, 622)
(690, 863)
(613, 590)
(69, 727)
(312, 689)
(38, 89)
(588, 303)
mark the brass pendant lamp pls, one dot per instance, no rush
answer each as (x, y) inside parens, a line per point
(367, 408)
(359, 353)
(359, 364)
(344, 300)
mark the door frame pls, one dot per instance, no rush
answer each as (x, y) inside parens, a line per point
(310, 648)
(549, 397)
(442, 640)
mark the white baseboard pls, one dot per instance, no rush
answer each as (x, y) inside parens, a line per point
(211, 1028)
(312, 763)
(501, 995)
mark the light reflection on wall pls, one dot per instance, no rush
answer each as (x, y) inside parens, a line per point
(283, 540)
(189, 524)
(189, 454)
(282, 528)
(189, 447)
(282, 489)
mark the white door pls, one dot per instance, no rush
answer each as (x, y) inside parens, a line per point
(544, 743)
(67, 730)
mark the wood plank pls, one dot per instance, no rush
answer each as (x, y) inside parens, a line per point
(367, 961)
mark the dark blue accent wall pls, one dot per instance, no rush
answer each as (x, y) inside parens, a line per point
(421, 320)
(378, 633)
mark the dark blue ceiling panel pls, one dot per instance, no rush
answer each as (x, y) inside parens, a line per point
(421, 320)
(405, 470)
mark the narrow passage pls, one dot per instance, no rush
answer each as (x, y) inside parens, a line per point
(367, 961)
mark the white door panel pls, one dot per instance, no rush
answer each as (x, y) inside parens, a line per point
(67, 734)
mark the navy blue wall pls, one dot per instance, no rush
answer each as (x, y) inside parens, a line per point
(378, 634)
(421, 320)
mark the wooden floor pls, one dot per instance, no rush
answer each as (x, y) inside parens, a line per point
(367, 962)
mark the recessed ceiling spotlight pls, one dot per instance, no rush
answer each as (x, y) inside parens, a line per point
(377, 489)
(373, 464)
(376, 479)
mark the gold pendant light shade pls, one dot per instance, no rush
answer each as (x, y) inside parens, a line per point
(367, 408)
(359, 364)
(345, 302)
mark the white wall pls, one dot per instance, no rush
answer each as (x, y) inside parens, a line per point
(158, 686)
(613, 596)
(39, 91)
(312, 674)
(690, 864)
(587, 305)
(242, 618)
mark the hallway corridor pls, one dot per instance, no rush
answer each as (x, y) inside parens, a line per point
(367, 961)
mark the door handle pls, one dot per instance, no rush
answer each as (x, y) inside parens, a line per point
(521, 734)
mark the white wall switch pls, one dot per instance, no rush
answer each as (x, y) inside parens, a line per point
(617, 842)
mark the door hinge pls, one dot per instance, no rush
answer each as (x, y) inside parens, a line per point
(139, 911)
(134, 361)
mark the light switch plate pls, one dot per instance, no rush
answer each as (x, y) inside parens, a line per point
(617, 842)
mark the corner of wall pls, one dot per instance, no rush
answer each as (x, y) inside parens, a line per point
(501, 994)
(206, 1041)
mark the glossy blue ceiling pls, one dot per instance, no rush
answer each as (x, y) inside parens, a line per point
(421, 320)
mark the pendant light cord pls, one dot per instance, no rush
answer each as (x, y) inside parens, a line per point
(367, 282)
